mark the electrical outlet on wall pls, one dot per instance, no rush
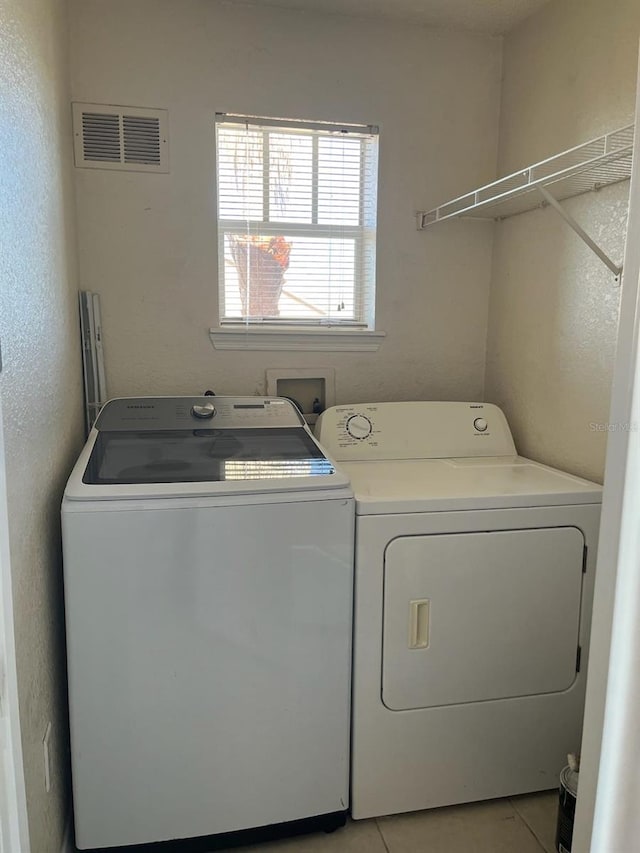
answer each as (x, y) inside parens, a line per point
(47, 757)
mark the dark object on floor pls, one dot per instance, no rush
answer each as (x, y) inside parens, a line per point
(566, 809)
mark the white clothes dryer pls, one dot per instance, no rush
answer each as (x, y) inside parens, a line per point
(473, 592)
(208, 571)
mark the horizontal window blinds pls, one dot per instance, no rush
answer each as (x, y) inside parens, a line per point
(296, 222)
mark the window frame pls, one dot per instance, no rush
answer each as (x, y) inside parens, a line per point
(354, 334)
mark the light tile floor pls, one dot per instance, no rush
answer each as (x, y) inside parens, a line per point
(524, 824)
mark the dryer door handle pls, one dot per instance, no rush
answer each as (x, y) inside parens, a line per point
(419, 613)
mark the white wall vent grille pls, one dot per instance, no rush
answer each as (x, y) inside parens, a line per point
(114, 137)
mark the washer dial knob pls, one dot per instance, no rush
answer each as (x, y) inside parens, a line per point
(480, 424)
(359, 426)
(203, 412)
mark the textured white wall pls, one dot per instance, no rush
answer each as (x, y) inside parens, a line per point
(147, 242)
(40, 382)
(569, 75)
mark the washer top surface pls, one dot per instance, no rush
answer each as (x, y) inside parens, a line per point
(440, 456)
(150, 447)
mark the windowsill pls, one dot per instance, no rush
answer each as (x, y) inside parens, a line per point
(309, 339)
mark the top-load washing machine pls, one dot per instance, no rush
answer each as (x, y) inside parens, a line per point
(208, 572)
(473, 592)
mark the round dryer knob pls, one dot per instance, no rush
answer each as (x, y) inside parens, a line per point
(480, 424)
(358, 426)
(204, 412)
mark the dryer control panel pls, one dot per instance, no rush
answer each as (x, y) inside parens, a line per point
(414, 430)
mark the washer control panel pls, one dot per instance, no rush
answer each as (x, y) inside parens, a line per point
(188, 413)
(414, 430)
(204, 411)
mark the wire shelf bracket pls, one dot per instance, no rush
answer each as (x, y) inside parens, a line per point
(591, 243)
(591, 166)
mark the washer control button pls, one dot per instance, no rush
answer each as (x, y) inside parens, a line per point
(480, 424)
(203, 412)
(358, 426)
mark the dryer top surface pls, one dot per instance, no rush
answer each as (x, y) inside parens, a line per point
(438, 485)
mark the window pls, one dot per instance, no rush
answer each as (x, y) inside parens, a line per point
(296, 223)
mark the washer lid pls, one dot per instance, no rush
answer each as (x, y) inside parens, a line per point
(148, 447)
(433, 485)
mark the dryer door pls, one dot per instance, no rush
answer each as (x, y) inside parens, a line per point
(471, 617)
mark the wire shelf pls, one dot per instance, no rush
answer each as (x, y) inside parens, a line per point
(591, 166)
